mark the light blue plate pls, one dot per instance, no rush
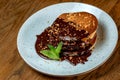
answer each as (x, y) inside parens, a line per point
(34, 25)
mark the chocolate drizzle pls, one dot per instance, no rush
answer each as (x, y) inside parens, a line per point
(74, 49)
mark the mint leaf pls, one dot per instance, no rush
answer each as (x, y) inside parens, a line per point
(53, 52)
(59, 47)
(50, 54)
(52, 48)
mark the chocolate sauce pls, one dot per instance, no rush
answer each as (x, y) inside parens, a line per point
(74, 49)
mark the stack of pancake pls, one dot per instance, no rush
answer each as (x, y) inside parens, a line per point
(76, 30)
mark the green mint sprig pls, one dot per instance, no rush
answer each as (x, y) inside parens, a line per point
(53, 52)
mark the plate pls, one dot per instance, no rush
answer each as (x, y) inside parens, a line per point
(35, 24)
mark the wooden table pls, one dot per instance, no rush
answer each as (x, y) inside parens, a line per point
(13, 13)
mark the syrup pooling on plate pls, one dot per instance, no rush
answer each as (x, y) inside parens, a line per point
(74, 49)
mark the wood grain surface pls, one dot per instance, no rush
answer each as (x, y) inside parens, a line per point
(13, 13)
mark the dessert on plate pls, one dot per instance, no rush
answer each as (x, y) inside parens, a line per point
(71, 37)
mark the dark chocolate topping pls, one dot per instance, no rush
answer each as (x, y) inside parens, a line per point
(74, 49)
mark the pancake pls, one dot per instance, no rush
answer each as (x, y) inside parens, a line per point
(83, 21)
